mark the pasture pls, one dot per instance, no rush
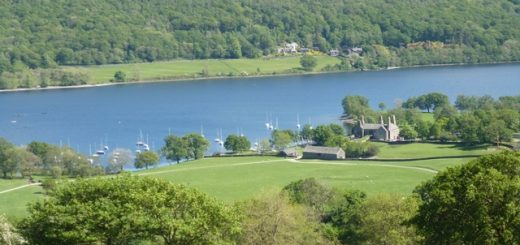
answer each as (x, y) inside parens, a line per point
(188, 69)
(232, 179)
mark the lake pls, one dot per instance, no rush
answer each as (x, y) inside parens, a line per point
(116, 116)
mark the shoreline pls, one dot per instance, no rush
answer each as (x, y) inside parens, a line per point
(180, 79)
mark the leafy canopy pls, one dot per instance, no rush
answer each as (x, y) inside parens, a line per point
(476, 203)
(127, 210)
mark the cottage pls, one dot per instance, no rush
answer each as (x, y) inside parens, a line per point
(334, 52)
(291, 47)
(321, 152)
(356, 51)
(378, 131)
(305, 50)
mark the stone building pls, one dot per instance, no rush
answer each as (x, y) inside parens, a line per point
(321, 152)
(377, 131)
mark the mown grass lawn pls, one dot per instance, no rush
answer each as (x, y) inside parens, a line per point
(232, 179)
(6, 184)
(418, 150)
(14, 204)
(179, 69)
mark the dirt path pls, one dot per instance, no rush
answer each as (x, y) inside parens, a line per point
(19, 187)
(216, 166)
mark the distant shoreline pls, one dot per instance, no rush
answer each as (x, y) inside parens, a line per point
(179, 79)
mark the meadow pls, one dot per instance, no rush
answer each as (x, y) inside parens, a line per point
(233, 179)
(188, 69)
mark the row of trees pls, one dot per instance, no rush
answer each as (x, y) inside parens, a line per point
(473, 203)
(44, 159)
(190, 146)
(471, 119)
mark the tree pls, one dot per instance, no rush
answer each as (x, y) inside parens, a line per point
(407, 131)
(28, 163)
(271, 219)
(307, 132)
(8, 234)
(496, 132)
(381, 106)
(175, 148)
(384, 220)
(5, 147)
(469, 128)
(11, 165)
(311, 193)
(146, 159)
(322, 134)
(119, 77)
(427, 101)
(197, 145)
(281, 139)
(118, 159)
(344, 215)
(308, 62)
(355, 106)
(128, 210)
(264, 146)
(237, 143)
(476, 203)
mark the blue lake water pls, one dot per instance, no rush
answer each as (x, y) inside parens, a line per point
(115, 115)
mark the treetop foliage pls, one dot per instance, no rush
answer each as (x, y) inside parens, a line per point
(64, 32)
(126, 209)
(474, 203)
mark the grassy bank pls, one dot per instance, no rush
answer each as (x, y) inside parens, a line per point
(187, 69)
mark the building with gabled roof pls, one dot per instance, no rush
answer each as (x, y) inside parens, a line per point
(378, 131)
(322, 152)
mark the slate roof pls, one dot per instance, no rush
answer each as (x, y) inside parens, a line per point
(322, 149)
(371, 126)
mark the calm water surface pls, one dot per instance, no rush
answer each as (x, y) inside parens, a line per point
(116, 115)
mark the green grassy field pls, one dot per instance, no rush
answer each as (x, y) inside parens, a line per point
(418, 150)
(238, 178)
(194, 68)
(6, 184)
(14, 204)
(230, 181)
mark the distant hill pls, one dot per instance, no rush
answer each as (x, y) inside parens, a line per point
(46, 33)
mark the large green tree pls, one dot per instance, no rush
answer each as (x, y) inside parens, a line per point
(308, 62)
(355, 106)
(476, 203)
(271, 219)
(175, 148)
(237, 143)
(145, 159)
(281, 139)
(5, 147)
(128, 210)
(197, 145)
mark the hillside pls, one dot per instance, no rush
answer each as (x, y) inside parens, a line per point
(43, 33)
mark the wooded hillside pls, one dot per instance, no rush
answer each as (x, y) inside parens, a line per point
(44, 33)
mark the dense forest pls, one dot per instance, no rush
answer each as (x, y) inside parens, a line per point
(44, 34)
